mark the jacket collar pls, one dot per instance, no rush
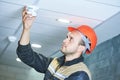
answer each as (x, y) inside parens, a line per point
(62, 62)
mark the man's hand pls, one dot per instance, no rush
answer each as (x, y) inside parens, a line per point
(27, 19)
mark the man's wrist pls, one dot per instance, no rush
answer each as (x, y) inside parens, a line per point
(26, 30)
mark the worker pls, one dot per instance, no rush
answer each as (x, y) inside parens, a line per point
(70, 66)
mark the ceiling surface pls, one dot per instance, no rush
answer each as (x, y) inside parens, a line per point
(46, 30)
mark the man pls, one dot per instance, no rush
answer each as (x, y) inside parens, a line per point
(68, 67)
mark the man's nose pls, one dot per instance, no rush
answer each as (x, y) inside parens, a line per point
(65, 40)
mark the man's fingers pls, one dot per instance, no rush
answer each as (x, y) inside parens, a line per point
(24, 11)
(28, 17)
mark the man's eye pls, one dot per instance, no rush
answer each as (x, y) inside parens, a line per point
(71, 38)
(66, 36)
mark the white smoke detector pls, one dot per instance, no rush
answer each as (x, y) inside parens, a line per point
(12, 38)
(32, 9)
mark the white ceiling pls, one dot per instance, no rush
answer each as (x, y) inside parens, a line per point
(47, 31)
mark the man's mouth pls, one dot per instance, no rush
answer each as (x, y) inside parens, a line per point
(63, 45)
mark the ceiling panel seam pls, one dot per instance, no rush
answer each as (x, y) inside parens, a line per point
(11, 3)
(5, 27)
(102, 3)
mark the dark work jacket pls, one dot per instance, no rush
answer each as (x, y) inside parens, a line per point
(40, 63)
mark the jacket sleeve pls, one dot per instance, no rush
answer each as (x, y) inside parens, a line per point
(80, 75)
(28, 56)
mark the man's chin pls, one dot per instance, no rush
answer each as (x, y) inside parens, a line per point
(63, 52)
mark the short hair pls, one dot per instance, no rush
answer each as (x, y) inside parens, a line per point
(82, 42)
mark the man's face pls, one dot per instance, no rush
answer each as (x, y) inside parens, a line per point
(71, 43)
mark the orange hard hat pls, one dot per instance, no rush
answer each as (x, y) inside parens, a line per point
(89, 33)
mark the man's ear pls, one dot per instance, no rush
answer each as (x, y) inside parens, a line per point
(81, 48)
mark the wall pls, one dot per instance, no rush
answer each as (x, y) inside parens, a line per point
(104, 62)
